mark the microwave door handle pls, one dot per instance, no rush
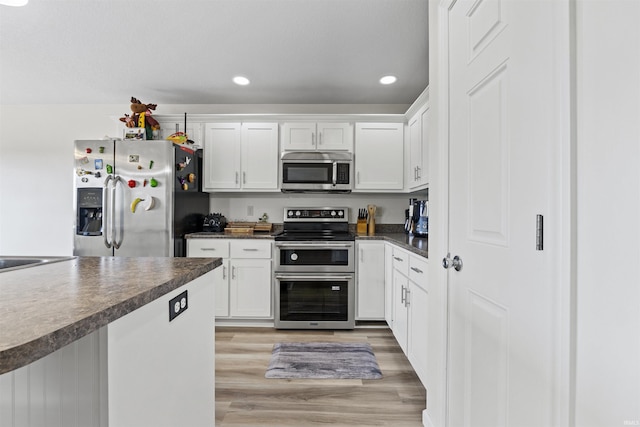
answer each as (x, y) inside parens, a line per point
(335, 173)
(106, 217)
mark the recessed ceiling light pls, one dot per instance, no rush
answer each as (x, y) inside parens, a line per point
(387, 80)
(242, 81)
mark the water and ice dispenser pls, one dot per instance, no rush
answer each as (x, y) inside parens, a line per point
(89, 212)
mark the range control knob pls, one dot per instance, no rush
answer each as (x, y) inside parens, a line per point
(340, 213)
(333, 213)
(294, 256)
(290, 213)
(297, 213)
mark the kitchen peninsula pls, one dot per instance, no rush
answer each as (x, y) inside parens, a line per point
(90, 341)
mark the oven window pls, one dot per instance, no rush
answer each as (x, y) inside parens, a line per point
(331, 257)
(301, 173)
(314, 300)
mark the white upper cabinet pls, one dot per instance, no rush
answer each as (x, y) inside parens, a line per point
(309, 136)
(221, 156)
(241, 157)
(259, 158)
(379, 156)
(418, 141)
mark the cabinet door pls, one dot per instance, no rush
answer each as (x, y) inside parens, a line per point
(415, 150)
(417, 329)
(259, 159)
(222, 156)
(388, 284)
(370, 286)
(423, 171)
(216, 248)
(298, 136)
(400, 319)
(379, 160)
(335, 136)
(222, 289)
(250, 288)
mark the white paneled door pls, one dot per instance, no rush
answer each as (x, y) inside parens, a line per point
(501, 302)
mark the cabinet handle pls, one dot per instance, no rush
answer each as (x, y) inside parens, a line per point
(250, 249)
(244, 177)
(407, 295)
(398, 259)
(415, 173)
(417, 270)
(358, 177)
(224, 272)
(233, 272)
(236, 177)
(319, 138)
(403, 296)
(419, 170)
(361, 255)
(208, 249)
(313, 138)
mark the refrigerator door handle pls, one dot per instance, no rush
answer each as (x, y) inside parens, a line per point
(119, 232)
(106, 204)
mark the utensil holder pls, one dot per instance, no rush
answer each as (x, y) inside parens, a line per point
(361, 226)
(371, 229)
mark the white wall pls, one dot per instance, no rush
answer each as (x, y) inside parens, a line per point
(607, 367)
(36, 169)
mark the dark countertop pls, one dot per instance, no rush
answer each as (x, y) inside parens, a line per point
(416, 245)
(46, 307)
(214, 235)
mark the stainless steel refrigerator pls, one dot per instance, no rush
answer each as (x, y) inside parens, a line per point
(136, 198)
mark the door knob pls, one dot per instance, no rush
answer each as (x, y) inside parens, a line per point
(456, 262)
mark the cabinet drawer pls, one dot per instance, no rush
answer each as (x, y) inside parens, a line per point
(248, 248)
(418, 270)
(401, 261)
(216, 248)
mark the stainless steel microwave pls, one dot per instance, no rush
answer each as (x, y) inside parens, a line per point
(316, 171)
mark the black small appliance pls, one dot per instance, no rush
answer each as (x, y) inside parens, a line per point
(214, 222)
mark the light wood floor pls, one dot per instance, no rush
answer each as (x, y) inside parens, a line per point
(244, 397)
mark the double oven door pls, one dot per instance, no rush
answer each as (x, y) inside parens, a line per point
(314, 285)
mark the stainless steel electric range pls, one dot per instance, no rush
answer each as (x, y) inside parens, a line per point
(314, 270)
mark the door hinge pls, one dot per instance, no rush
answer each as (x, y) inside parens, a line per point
(539, 232)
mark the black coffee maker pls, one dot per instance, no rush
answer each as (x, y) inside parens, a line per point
(417, 218)
(421, 218)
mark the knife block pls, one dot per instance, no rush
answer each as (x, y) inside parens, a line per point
(361, 226)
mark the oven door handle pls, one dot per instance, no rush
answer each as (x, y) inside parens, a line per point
(322, 245)
(324, 277)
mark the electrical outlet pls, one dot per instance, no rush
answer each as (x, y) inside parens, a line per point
(178, 305)
(250, 210)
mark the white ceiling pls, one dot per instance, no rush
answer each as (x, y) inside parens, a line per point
(187, 51)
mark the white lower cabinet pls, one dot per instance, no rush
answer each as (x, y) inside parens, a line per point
(400, 310)
(417, 314)
(388, 284)
(250, 288)
(243, 284)
(409, 305)
(370, 287)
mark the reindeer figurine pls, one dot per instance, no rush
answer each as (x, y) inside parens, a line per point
(141, 117)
